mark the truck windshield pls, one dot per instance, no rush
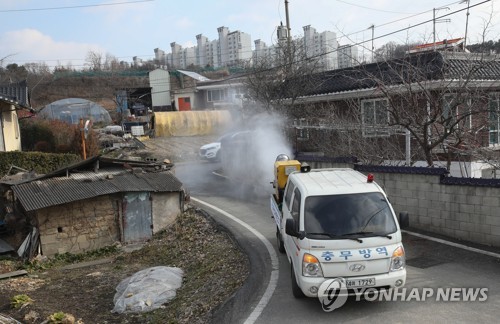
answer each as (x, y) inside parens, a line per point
(347, 216)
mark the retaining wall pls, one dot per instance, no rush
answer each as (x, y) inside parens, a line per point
(464, 209)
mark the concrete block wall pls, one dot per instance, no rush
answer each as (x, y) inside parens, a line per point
(464, 212)
(79, 226)
(469, 213)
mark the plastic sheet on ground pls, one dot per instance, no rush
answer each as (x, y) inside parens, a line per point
(147, 289)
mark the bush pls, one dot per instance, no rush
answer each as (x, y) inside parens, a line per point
(34, 132)
(56, 136)
(43, 146)
(41, 163)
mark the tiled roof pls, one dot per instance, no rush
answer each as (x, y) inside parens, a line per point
(412, 68)
(16, 93)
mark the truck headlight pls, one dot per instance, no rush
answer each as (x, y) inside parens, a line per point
(398, 259)
(311, 266)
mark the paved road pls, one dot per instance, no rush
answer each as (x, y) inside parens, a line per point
(430, 265)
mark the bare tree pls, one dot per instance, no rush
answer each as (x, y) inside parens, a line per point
(281, 77)
(441, 99)
(95, 61)
(391, 50)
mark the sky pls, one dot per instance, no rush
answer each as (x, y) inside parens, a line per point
(63, 32)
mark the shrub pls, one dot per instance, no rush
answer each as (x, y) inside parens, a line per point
(43, 146)
(41, 163)
(20, 301)
(56, 136)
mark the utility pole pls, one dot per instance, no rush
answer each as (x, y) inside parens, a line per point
(373, 36)
(466, 20)
(288, 36)
(434, 21)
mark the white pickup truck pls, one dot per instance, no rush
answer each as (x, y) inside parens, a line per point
(336, 223)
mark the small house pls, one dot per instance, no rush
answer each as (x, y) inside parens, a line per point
(95, 203)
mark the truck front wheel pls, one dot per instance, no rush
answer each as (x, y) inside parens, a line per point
(297, 292)
(279, 241)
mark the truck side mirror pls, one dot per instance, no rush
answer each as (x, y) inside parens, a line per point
(291, 227)
(404, 219)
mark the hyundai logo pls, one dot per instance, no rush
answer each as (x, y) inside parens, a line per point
(357, 267)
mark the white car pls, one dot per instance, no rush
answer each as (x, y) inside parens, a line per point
(210, 152)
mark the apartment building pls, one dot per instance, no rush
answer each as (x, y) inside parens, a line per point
(347, 56)
(322, 46)
(235, 48)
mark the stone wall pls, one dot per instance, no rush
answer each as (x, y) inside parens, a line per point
(469, 212)
(166, 207)
(79, 226)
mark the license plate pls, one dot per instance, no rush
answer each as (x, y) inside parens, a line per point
(368, 282)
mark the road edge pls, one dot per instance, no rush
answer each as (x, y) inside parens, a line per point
(262, 280)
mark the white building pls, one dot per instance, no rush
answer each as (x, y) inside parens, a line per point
(230, 48)
(201, 50)
(321, 45)
(175, 58)
(160, 57)
(347, 56)
(188, 57)
(235, 48)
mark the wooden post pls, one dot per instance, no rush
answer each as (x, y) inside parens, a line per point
(82, 131)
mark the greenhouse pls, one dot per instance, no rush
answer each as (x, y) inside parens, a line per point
(72, 109)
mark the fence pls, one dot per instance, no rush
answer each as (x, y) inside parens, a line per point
(461, 208)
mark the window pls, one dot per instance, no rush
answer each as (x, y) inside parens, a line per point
(288, 195)
(375, 117)
(296, 206)
(216, 95)
(455, 107)
(301, 132)
(351, 215)
(494, 116)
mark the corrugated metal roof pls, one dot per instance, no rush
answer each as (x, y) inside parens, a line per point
(194, 75)
(60, 190)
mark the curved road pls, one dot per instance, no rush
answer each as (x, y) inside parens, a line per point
(267, 298)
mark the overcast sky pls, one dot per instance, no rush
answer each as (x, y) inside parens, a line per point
(64, 31)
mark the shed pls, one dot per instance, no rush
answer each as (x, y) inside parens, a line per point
(97, 202)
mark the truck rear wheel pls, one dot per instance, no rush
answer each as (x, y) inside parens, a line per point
(279, 242)
(297, 292)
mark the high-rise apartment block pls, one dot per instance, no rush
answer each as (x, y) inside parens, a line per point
(348, 56)
(235, 49)
(232, 48)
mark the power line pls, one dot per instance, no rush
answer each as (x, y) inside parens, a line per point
(374, 9)
(153, 56)
(356, 44)
(324, 53)
(75, 7)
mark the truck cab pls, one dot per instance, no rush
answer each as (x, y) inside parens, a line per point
(338, 223)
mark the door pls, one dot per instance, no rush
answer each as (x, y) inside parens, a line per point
(291, 243)
(137, 217)
(184, 104)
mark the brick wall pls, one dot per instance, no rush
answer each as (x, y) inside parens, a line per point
(79, 226)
